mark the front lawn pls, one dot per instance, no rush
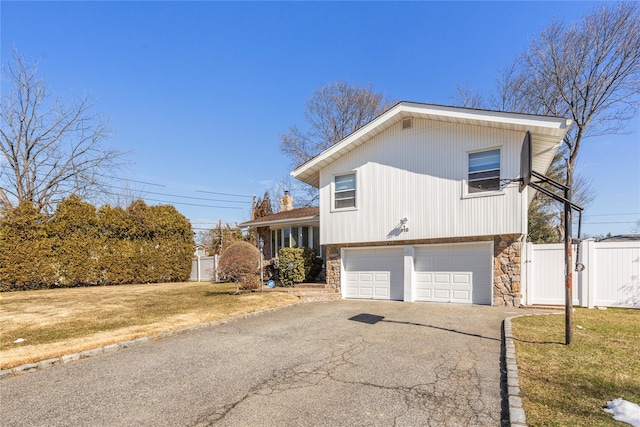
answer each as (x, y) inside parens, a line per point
(568, 385)
(56, 322)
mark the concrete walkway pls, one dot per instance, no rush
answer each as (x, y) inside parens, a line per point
(351, 363)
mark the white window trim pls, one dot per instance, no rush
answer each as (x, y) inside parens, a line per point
(465, 182)
(333, 192)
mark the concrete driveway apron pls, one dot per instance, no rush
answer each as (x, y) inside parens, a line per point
(342, 363)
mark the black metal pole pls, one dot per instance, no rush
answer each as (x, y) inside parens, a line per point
(568, 249)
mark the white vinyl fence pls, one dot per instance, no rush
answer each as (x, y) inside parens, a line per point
(611, 275)
(204, 269)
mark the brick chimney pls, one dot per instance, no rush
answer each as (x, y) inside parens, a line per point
(286, 202)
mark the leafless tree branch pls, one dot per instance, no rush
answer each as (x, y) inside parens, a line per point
(49, 150)
(333, 112)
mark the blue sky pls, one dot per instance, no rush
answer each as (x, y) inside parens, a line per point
(200, 92)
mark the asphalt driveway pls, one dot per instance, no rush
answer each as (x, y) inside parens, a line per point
(355, 363)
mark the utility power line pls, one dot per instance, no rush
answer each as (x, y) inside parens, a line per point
(165, 186)
(180, 203)
(611, 222)
(614, 214)
(178, 196)
(223, 194)
(194, 204)
(133, 180)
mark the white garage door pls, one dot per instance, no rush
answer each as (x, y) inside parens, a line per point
(373, 273)
(458, 273)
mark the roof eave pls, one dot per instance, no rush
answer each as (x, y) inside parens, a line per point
(554, 127)
(292, 221)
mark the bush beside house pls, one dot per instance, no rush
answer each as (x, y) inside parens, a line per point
(298, 265)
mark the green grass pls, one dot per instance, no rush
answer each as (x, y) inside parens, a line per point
(569, 385)
(55, 322)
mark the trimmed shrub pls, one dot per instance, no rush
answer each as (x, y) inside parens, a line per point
(312, 264)
(298, 265)
(292, 269)
(250, 282)
(238, 262)
(81, 246)
(25, 250)
(76, 243)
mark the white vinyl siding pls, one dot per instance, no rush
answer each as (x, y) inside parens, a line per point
(421, 174)
(484, 171)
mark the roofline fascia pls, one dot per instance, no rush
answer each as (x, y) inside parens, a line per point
(303, 220)
(525, 120)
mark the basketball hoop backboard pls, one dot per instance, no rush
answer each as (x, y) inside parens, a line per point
(525, 162)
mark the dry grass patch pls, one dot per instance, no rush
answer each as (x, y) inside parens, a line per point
(56, 322)
(568, 385)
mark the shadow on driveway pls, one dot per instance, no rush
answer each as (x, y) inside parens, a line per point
(372, 319)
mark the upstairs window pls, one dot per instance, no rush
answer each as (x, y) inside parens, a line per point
(484, 171)
(345, 191)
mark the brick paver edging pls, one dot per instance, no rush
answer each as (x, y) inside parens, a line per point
(49, 363)
(517, 416)
(516, 411)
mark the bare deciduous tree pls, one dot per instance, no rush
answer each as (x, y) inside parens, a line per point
(332, 113)
(589, 72)
(468, 97)
(48, 149)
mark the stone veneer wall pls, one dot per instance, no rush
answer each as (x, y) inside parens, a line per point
(507, 251)
(506, 263)
(332, 267)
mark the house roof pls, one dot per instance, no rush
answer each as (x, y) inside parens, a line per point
(297, 216)
(546, 133)
(622, 238)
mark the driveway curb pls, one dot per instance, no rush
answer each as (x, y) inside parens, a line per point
(517, 416)
(516, 410)
(49, 363)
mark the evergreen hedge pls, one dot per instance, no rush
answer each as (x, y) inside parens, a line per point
(80, 245)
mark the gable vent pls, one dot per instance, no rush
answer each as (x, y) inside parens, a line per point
(407, 123)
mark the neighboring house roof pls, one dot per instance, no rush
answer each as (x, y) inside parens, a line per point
(622, 238)
(546, 133)
(297, 216)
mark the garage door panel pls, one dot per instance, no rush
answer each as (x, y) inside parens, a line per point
(382, 277)
(363, 292)
(441, 278)
(424, 278)
(351, 292)
(381, 293)
(462, 278)
(460, 295)
(465, 279)
(441, 294)
(365, 277)
(424, 294)
(374, 273)
(351, 277)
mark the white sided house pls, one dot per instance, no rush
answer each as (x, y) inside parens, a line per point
(420, 204)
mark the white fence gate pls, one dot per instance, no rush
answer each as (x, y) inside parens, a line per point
(611, 276)
(204, 269)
